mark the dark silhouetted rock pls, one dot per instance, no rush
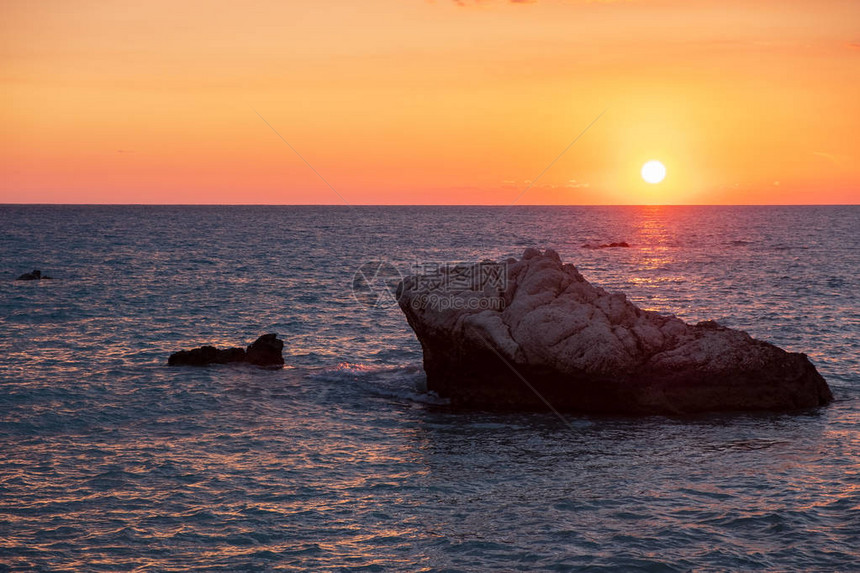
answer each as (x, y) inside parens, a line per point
(265, 351)
(206, 355)
(553, 336)
(622, 244)
(36, 275)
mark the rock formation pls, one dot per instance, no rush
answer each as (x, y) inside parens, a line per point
(265, 351)
(537, 333)
(622, 244)
(36, 275)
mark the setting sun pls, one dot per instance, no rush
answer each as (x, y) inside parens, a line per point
(653, 172)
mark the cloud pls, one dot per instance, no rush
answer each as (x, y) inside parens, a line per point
(854, 45)
(574, 184)
(834, 159)
(529, 184)
(465, 2)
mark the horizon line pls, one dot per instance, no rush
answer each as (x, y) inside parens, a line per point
(501, 205)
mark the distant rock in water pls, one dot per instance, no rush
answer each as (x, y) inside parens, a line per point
(534, 331)
(265, 351)
(622, 244)
(36, 275)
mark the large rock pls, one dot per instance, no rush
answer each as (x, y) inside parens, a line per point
(265, 351)
(534, 332)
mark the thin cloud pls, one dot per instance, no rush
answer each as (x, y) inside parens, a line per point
(574, 184)
(854, 45)
(464, 2)
(468, 2)
(829, 157)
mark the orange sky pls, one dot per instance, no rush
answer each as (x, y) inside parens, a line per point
(410, 101)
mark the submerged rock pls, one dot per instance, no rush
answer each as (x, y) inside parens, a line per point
(36, 275)
(265, 351)
(537, 332)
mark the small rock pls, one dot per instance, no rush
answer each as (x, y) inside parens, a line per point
(206, 355)
(36, 275)
(621, 244)
(265, 351)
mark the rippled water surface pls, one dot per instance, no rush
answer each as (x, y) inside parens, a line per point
(109, 460)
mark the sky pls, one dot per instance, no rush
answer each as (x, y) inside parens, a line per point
(421, 102)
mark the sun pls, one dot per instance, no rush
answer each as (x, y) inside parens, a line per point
(653, 172)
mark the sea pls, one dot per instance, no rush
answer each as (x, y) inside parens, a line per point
(342, 461)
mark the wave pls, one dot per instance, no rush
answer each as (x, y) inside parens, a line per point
(401, 383)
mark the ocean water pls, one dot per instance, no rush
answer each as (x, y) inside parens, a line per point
(110, 460)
